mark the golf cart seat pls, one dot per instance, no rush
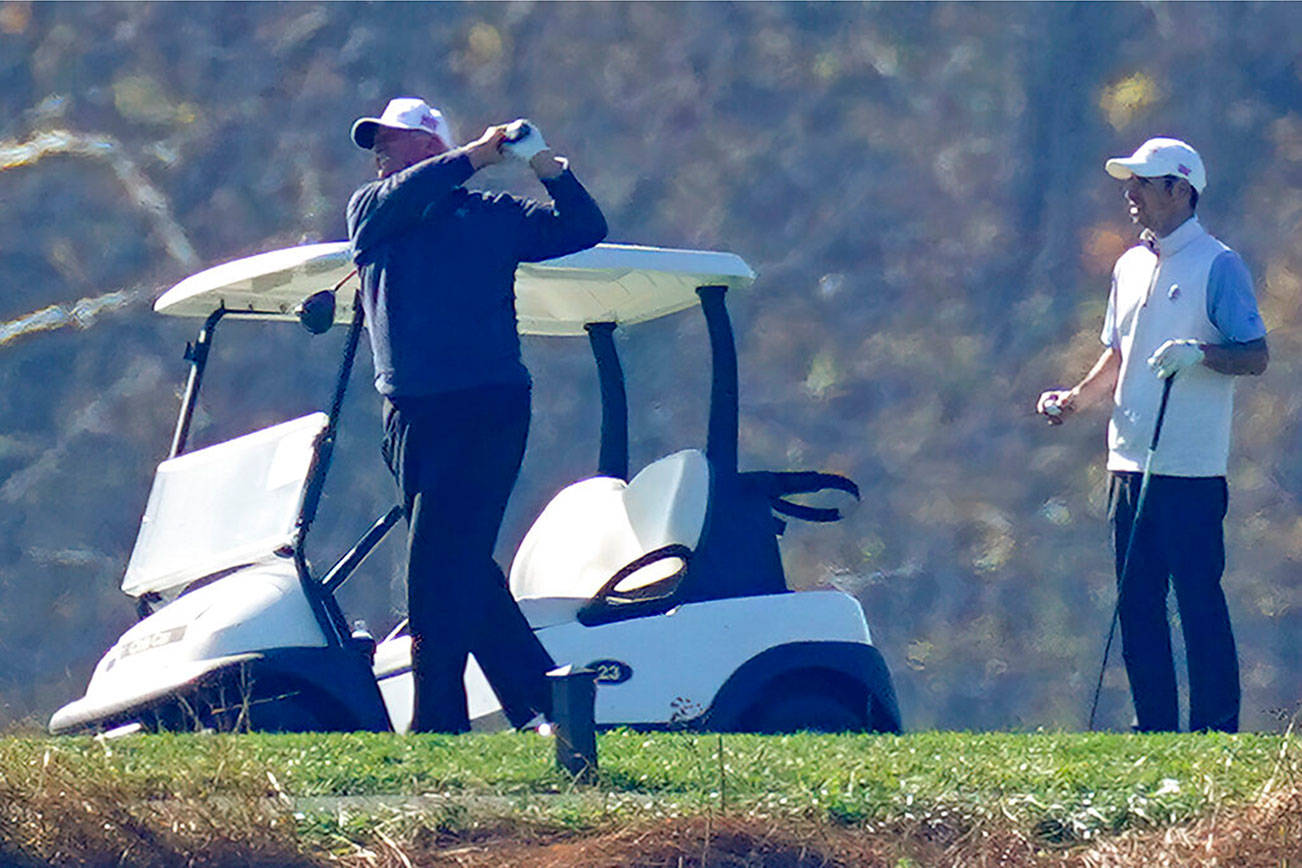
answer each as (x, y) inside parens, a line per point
(224, 506)
(606, 544)
(679, 532)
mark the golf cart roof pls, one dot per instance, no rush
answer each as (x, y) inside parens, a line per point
(619, 283)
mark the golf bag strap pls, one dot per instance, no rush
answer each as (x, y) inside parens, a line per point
(778, 484)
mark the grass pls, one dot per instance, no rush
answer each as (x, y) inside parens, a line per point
(1054, 789)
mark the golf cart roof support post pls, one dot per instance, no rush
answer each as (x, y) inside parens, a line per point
(197, 355)
(322, 603)
(340, 572)
(325, 448)
(721, 443)
(346, 365)
(613, 459)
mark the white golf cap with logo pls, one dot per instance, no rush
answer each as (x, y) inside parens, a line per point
(404, 113)
(1157, 158)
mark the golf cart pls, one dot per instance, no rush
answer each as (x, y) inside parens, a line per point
(667, 584)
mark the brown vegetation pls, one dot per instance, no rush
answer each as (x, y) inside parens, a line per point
(85, 824)
(50, 817)
(1267, 833)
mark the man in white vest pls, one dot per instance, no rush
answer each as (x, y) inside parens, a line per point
(1181, 306)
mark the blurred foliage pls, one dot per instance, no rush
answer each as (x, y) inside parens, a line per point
(919, 186)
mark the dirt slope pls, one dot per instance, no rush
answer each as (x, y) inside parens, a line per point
(1267, 833)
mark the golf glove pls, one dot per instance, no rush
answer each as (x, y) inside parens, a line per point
(523, 140)
(1174, 356)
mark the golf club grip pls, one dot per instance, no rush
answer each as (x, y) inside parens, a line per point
(1161, 411)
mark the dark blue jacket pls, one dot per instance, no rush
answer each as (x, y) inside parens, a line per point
(437, 265)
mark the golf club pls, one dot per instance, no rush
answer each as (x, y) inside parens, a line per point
(1130, 542)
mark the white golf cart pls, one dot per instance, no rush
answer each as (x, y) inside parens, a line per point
(668, 585)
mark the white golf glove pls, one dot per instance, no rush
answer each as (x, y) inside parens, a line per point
(1174, 356)
(528, 144)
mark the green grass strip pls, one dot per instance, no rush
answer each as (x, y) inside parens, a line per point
(1058, 786)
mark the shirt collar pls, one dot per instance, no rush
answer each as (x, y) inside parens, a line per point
(1169, 245)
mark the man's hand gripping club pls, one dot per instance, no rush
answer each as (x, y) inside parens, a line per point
(519, 140)
(1174, 356)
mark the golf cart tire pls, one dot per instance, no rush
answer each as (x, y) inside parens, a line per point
(818, 686)
(236, 704)
(294, 690)
(327, 689)
(806, 702)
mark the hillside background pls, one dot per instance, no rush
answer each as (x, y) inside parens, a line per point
(919, 187)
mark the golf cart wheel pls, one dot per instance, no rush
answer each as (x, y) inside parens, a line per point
(229, 707)
(815, 705)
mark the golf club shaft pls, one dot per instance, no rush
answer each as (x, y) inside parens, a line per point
(1130, 542)
(1161, 414)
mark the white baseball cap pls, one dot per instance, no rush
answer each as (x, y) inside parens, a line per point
(1158, 157)
(403, 113)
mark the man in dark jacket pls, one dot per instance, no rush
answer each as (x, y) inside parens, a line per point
(437, 264)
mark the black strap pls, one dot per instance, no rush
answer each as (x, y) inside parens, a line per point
(778, 484)
(649, 591)
(805, 513)
(807, 481)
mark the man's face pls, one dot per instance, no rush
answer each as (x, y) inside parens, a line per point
(395, 150)
(1153, 202)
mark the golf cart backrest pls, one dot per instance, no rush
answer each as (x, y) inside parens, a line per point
(597, 527)
(220, 507)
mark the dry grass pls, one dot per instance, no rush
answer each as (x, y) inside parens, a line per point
(53, 814)
(1268, 832)
(1265, 833)
(41, 827)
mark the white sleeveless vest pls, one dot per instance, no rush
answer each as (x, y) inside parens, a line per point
(1158, 297)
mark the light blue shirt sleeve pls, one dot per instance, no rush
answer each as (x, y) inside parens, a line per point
(1231, 306)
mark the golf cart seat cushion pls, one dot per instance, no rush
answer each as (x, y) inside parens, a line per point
(222, 506)
(594, 528)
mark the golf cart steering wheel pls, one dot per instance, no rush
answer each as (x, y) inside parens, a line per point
(611, 602)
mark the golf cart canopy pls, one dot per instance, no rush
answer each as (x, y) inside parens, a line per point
(619, 283)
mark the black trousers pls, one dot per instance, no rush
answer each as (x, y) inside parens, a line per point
(1178, 542)
(455, 457)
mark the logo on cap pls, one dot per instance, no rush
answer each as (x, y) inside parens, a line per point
(1183, 169)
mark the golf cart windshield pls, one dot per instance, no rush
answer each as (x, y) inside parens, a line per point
(619, 283)
(224, 506)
